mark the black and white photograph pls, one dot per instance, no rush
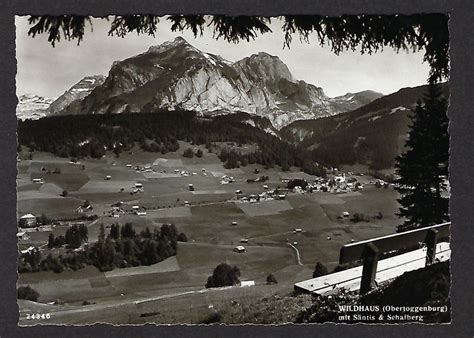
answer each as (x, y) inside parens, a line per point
(212, 169)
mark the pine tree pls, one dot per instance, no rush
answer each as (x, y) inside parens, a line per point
(424, 164)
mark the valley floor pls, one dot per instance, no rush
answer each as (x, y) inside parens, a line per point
(163, 292)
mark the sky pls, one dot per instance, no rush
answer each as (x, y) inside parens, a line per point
(49, 71)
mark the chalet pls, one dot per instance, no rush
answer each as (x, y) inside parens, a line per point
(23, 236)
(227, 179)
(239, 249)
(83, 208)
(28, 221)
(298, 190)
(30, 249)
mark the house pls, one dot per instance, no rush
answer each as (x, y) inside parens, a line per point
(234, 223)
(37, 180)
(238, 192)
(246, 283)
(23, 236)
(186, 204)
(30, 249)
(128, 165)
(239, 249)
(28, 221)
(297, 230)
(345, 214)
(340, 178)
(138, 185)
(140, 213)
(108, 177)
(191, 187)
(81, 209)
(244, 240)
(227, 179)
(265, 186)
(298, 190)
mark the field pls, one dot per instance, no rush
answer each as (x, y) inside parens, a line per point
(213, 220)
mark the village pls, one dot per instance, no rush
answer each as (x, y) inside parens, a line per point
(263, 220)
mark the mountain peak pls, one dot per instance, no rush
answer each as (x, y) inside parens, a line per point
(178, 41)
(176, 74)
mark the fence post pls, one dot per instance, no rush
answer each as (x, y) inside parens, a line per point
(431, 240)
(370, 257)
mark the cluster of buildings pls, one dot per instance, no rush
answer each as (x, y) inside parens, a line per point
(120, 208)
(146, 168)
(336, 184)
(267, 195)
(227, 179)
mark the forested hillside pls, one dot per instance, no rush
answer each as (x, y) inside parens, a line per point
(80, 136)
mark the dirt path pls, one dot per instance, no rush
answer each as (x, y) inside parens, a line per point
(298, 259)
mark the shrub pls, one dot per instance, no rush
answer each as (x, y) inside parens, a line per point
(271, 279)
(319, 270)
(28, 293)
(213, 318)
(188, 153)
(182, 237)
(223, 275)
(359, 217)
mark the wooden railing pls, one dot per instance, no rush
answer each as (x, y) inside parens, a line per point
(414, 249)
(368, 251)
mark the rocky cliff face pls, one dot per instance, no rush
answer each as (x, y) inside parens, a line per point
(176, 75)
(77, 92)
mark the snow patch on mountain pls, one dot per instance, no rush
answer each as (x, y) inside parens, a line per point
(32, 106)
